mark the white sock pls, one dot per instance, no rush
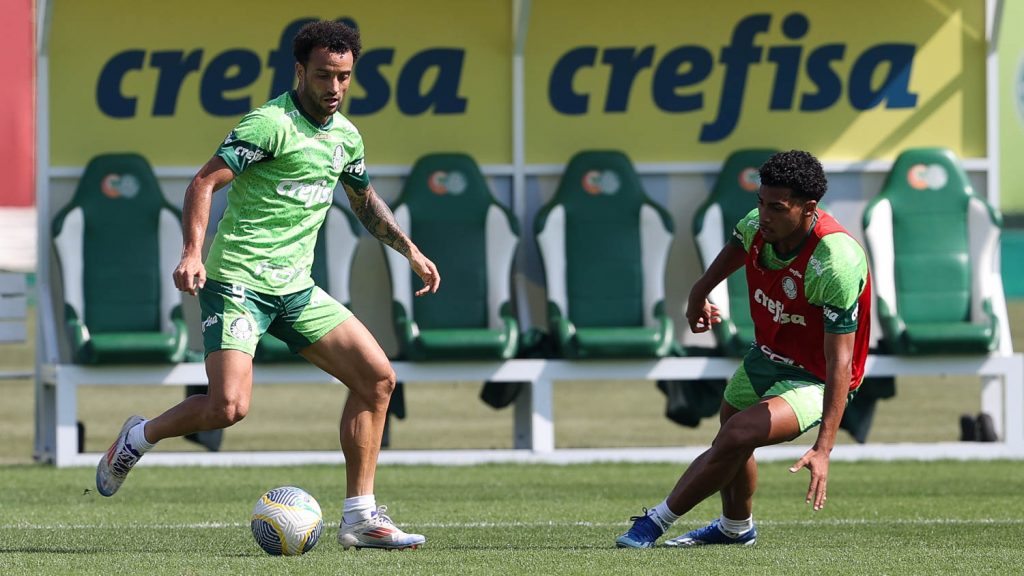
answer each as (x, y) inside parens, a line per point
(359, 508)
(662, 515)
(735, 528)
(136, 438)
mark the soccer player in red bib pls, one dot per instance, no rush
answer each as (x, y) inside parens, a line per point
(810, 300)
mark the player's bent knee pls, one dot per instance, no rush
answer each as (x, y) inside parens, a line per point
(734, 435)
(227, 414)
(377, 390)
(384, 388)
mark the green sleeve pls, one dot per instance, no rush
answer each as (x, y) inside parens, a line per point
(354, 173)
(255, 139)
(836, 275)
(745, 230)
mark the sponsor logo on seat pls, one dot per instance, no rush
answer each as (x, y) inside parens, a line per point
(750, 179)
(927, 177)
(441, 182)
(120, 186)
(597, 182)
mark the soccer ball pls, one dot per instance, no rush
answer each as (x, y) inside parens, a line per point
(286, 521)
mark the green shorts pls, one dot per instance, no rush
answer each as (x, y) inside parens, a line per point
(759, 378)
(235, 318)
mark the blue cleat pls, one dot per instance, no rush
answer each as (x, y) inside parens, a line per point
(643, 534)
(711, 534)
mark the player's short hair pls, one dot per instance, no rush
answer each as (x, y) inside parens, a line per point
(797, 170)
(336, 37)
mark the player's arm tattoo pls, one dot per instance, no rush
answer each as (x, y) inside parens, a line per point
(376, 217)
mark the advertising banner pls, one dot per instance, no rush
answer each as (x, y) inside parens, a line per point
(671, 80)
(170, 79)
(1011, 111)
(17, 111)
(665, 80)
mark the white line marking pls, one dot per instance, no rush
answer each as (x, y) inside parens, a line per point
(514, 524)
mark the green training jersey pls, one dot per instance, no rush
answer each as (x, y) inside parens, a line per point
(286, 167)
(835, 275)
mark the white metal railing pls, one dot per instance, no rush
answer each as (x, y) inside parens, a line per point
(13, 315)
(534, 421)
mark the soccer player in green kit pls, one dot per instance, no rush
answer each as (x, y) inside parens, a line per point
(810, 300)
(284, 160)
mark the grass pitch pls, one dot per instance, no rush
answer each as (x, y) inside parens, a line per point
(881, 518)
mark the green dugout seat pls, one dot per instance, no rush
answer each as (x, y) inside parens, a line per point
(604, 245)
(933, 244)
(117, 243)
(447, 207)
(334, 254)
(733, 197)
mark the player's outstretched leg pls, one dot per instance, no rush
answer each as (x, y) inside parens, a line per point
(377, 531)
(115, 465)
(713, 534)
(643, 534)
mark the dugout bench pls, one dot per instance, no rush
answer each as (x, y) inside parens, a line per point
(534, 420)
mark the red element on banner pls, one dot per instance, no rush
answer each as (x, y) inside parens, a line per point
(17, 104)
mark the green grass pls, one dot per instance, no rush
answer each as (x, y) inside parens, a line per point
(882, 518)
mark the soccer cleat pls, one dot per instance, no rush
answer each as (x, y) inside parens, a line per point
(115, 465)
(711, 534)
(643, 534)
(377, 531)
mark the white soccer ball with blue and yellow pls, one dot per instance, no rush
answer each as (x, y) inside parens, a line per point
(287, 521)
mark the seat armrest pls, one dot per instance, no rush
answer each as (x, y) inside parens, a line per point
(666, 330)
(180, 348)
(563, 329)
(893, 328)
(993, 321)
(511, 332)
(727, 334)
(406, 330)
(78, 333)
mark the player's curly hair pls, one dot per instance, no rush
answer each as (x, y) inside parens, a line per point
(337, 37)
(797, 170)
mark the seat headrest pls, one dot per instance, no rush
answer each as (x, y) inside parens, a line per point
(931, 174)
(446, 185)
(600, 180)
(119, 185)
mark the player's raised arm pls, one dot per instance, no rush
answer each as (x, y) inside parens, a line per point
(700, 313)
(190, 275)
(376, 217)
